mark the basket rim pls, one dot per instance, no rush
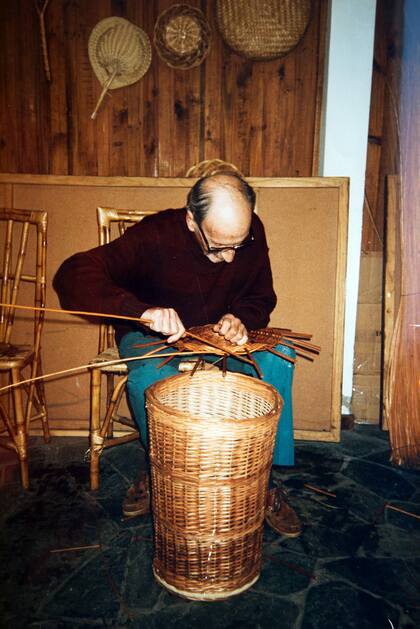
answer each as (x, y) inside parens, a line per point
(150, 392)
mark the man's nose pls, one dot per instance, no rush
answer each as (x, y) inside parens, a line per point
(228, 255)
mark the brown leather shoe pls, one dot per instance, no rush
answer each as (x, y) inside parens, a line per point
(280, 516)
(137, 498)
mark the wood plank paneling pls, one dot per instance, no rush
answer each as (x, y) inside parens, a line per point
(262, 116)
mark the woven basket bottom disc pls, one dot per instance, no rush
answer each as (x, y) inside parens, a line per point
(204, 596)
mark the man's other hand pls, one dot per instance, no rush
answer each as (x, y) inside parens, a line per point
(166, 321)
(232, 329)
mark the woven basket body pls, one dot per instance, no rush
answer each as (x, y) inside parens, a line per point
(211, 445)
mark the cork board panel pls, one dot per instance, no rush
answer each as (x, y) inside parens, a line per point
(305, 222)
(302, 228)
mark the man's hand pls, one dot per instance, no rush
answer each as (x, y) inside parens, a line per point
(166, 321)
(232, 329)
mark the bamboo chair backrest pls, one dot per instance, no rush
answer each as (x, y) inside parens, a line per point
(112, 223)
(24, 233)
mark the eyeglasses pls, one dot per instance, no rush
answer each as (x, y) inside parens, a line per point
(245, 243)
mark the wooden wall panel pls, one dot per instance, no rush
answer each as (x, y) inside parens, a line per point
(263, 116)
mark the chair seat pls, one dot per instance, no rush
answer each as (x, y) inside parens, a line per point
(109, 354)
(15, 356)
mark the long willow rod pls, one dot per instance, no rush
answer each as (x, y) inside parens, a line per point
(126, 318)
(85, 313)
(98, 365)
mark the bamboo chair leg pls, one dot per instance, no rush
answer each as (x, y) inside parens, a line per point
(113, 405)
(21, 437)
(96, 441)
(109, 391)
(40, 392)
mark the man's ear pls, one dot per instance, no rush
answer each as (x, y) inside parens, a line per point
(190, 221)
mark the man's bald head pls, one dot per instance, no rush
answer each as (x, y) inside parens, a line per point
(219, 212)
(210, 192)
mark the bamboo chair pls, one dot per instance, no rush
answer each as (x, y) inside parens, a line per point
(22, 279)
(111, 223)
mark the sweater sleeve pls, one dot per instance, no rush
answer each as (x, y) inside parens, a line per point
(98, 280)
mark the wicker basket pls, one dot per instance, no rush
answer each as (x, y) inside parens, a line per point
(182, 36)
(211, 445)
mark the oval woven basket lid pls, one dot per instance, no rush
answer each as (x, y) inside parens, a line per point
(182, 36)
(262, 29)
(117, 44)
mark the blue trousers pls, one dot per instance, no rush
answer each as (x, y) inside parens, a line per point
(276, 371)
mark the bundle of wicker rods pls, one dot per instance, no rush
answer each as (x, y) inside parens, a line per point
(259, 340)
(211, 445)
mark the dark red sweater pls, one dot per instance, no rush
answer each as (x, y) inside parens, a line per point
(158, 262)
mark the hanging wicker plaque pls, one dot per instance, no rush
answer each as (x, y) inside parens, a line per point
(182, 36)
(262, 29)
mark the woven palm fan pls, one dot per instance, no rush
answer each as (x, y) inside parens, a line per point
(120, 54)
(262, 29)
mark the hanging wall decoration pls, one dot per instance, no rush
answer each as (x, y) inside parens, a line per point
(120, 54)
(182, 36)
(262, 29)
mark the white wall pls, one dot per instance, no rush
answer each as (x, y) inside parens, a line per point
(344, 135)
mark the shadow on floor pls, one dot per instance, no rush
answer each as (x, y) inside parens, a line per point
(356, 563)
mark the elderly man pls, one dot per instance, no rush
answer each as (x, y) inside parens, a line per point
(206, 263)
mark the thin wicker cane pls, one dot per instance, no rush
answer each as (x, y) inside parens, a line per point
(262, 29)
(211, 445)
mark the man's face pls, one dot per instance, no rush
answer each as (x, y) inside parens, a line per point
(225, 226)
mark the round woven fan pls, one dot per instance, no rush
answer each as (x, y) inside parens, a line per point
(120, 54)
(182, 36)
(262, 29)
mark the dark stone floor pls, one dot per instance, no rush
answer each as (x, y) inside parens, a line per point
(356, 563)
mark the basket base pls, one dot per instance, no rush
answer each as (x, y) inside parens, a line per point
(204, 596)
